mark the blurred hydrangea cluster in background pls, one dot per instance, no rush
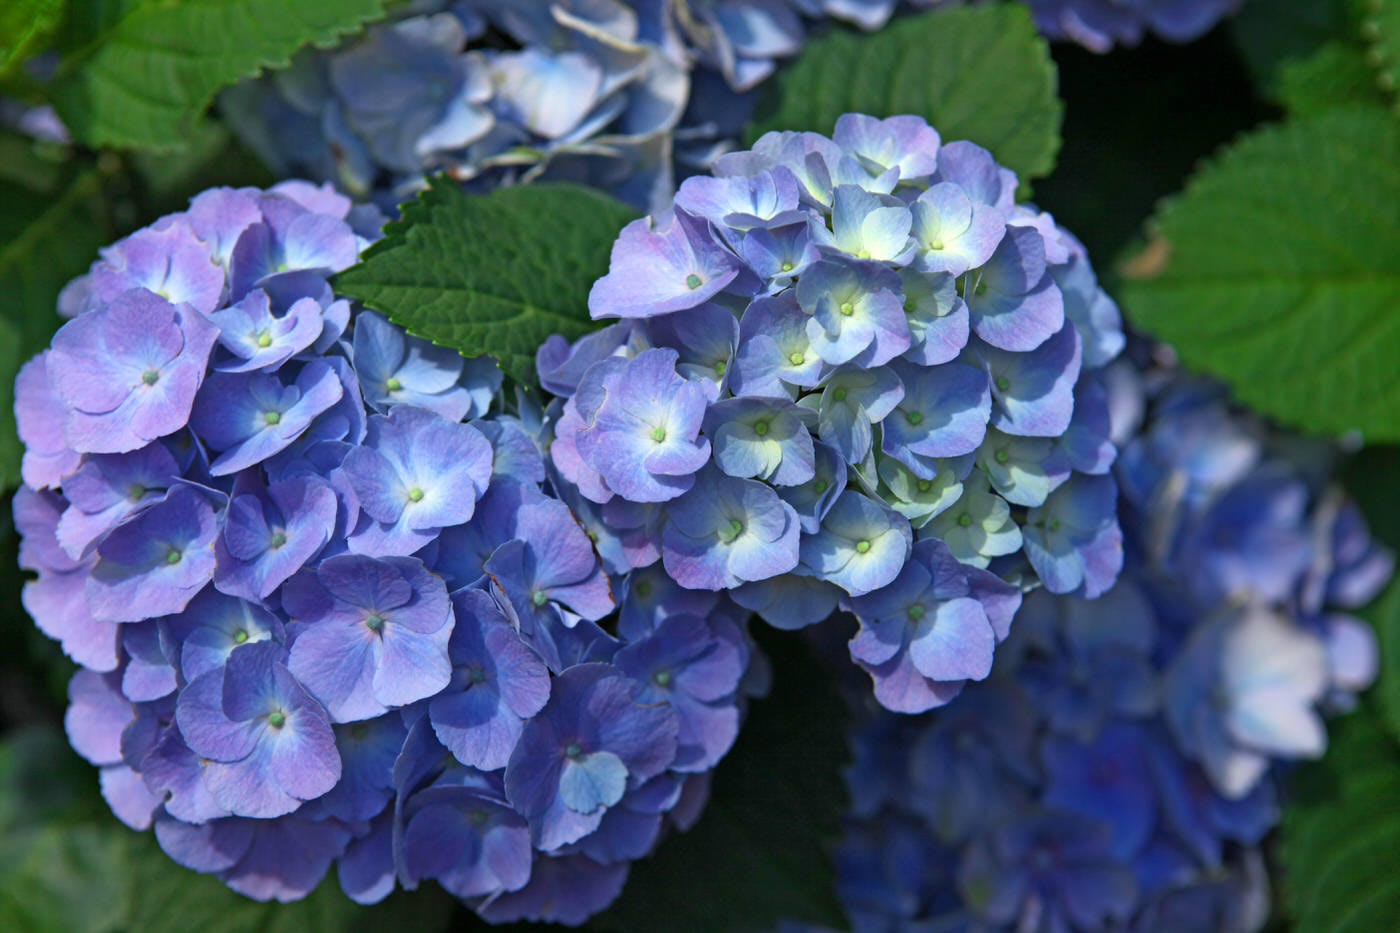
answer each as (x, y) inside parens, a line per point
(626, 95)
(851, 371)
(1099, 25)
(1118, 770)
(324, 606)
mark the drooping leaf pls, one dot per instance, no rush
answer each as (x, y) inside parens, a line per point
(145, 75)
(45, 240)
(1336, 75)
(1341, 831)
(761, 850)
(981, 73)
(495, 273)
(1278, 269)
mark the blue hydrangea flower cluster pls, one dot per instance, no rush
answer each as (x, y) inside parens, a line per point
(854, 372)
(1117, 772)
(620, 94)
(325, 607)
(1099, 25)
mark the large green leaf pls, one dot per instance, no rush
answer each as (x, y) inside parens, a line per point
(149, 69)
(761, 850)
(1341, 831)
(981, 73)
(495, 273)
(45, 240)
(1278, 269)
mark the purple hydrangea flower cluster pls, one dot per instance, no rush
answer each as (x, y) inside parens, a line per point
(1099, 25)
(326, 609)
(853, 372)
(1117, 771)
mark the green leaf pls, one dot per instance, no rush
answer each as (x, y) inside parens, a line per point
(980, 73)
(761, 850)
(495, 273)
(1278, 269)
(1382, 27)
(1341, 831)
(1336, 75)
(44, 242)
(151, 69)
(1272, 32)
(24, 24)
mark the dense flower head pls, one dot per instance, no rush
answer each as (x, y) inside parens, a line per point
(328, 606)
(626, 95)
(1118, 769)
(851, 372)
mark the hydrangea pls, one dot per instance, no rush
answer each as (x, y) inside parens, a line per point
(1118, 769)
(1101, 24)
(625, 95)
(851, 371)
(330, 607)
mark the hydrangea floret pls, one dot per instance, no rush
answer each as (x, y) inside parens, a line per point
(1120, 768)
(327, 605)
(851, 371)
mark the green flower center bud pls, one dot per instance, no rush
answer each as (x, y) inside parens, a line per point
(538, 598)
(847, 308)
(936, 244)
(862, 546)
(819, 486)
(573, 750)
(478, 816)
(276, 719)
(913, 417)
(476, 675)
(658, 434)
(1053, 524)
(392, 385)
(797, 358)
(150, 377)
(838, 394)
(1002, 456)
(279, 538)
(272, 417)
(415, 494)
(735, 529)
(924, 485)
(374, 621)
(644, 588)
(760, 428)
(693, 281)
(592, 535)
(916, 612)
(1002, 383)
(661, 678)
(173, 556)
(359, 730)
(863, 253)
(909, 306)
(720, 367)
(964, 519)
(239, 637)
(264, 340)
(981, 289)
(787, 267)
(135, 492)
